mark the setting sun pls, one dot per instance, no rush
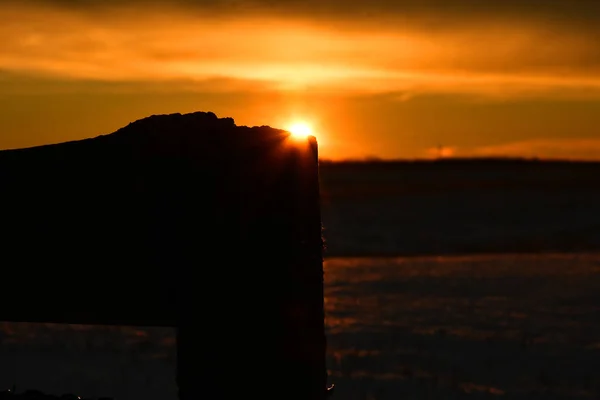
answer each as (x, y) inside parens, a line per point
(300, 130)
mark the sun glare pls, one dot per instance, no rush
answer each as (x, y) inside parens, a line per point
(300, 130)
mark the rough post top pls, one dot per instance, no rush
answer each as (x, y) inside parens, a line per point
(205, 129)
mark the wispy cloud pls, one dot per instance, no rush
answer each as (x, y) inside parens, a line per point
(564, 148)
(557, 148)
(441, 152)
(175, 44)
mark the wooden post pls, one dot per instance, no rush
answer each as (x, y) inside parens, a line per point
(264, 335)
(177, 220)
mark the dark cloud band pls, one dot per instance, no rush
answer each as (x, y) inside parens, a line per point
(582, 10)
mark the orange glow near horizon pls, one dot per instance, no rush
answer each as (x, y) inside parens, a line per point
(386, 86)
(278, 53)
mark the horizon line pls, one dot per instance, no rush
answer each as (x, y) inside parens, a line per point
(377, 160)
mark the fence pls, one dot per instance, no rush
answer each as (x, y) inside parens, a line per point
(216, 234)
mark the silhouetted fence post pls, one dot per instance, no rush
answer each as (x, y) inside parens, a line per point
(184, 221)
(261, 330)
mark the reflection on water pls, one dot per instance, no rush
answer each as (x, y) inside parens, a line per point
(453, 326)
(90, 361)
(427, 328)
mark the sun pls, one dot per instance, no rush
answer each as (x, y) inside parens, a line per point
(300, 130)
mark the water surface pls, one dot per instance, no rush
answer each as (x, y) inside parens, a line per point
(514, 326)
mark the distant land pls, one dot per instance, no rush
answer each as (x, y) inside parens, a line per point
(460, 206)
(454, 160)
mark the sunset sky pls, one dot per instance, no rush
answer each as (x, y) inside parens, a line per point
(391, 79)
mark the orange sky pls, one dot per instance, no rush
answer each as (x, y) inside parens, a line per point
(391, 80)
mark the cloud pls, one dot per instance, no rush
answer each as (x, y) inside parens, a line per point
(563, 148)
(563, 11)
(12, 83)
(441, 152)
(204, 42)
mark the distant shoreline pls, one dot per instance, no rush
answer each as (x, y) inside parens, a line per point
(457, 160)
(463, 254)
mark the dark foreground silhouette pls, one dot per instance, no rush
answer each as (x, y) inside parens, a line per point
(11, 394)
(144, 226)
